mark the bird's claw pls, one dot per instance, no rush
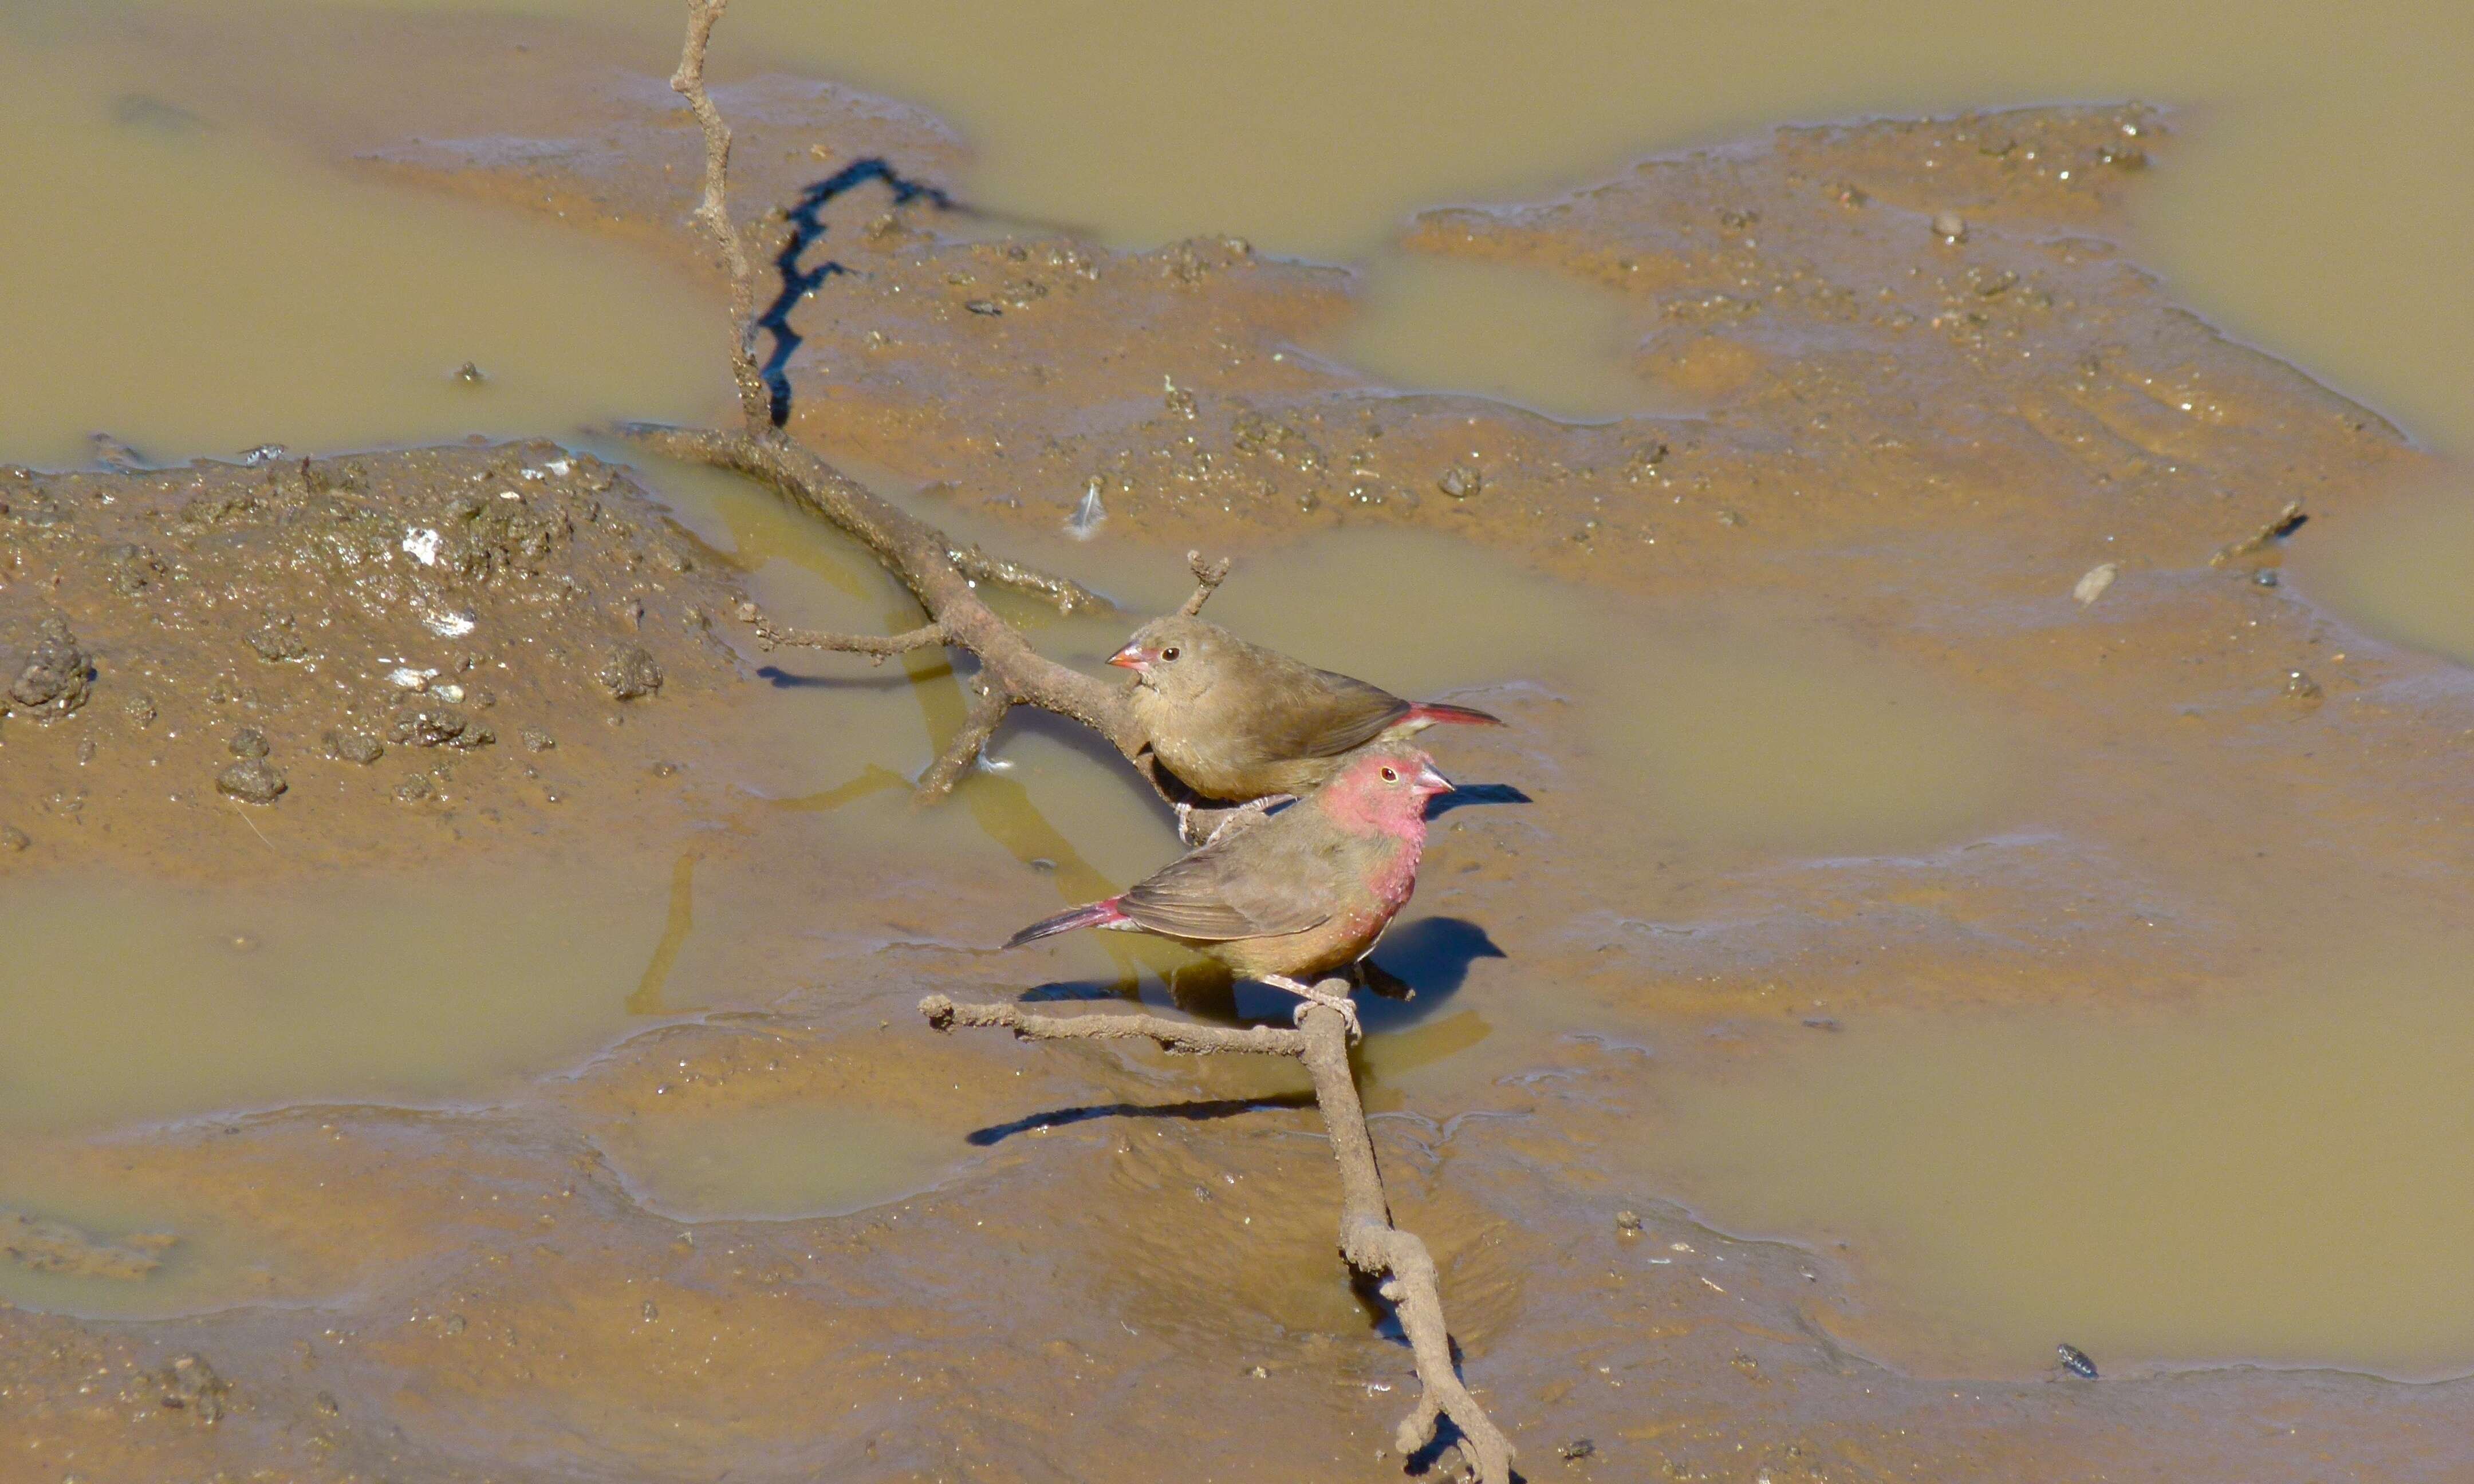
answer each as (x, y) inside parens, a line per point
(1339, 1002)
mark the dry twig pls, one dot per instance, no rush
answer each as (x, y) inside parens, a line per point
(945, 580)
(1208, 577)
(1373, 1245)
(943, 576)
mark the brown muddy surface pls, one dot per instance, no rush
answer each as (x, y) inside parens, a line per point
(1825, 758)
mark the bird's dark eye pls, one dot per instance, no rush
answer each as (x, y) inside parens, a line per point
(1169, 652)
(1391, 775)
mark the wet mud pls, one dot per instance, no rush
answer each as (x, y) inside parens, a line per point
(408, 650)
(1814, 725)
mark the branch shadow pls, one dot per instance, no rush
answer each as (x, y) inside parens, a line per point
(1197, 1111)
(807, 229)
(786, 679)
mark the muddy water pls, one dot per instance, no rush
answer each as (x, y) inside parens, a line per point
(2283, 1174)
(1671, 728)
(1313, 132)
(1316, 129)
(1533, 339)
(192, 286)
(137, 1000)
(778, 1164)
(2402, 572)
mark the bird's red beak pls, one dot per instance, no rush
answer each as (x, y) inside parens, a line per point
(1430, 783)
(1134, 657)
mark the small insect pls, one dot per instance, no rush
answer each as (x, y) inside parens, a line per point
(2075, 1361)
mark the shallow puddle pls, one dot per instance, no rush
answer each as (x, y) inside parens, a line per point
(92, 1250)
(192, 287)
(2307, 216)
(778, 1163)
(1535, 339)
(2402, 572)
(131, 1001)
(2284, 1175)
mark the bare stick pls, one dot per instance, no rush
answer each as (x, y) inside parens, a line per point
(1068, 595)
(771, 635)
(988, 713)
(1179, 1035)
(713, 212)
(1208, 576)
(1367, 1238)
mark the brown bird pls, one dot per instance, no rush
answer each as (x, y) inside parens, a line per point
(1239, 722)
(1303, 892)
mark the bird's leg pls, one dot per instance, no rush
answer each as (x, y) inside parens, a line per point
(1246, 813)
(1317, 996)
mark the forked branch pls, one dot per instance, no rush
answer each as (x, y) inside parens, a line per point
(946, 579)
(1207, 576)
(1399, 1260)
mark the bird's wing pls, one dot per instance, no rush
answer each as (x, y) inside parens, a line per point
(1252, 884)
(1328, 714)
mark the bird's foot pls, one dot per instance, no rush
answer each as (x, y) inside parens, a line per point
(1314, 995)
(1185, 822)
(1245, 813)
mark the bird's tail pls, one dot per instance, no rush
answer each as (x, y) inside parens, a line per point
(1428, 712)
(1097, 914)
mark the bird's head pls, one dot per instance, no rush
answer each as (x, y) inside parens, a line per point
(1385, 788)
(1171, 654)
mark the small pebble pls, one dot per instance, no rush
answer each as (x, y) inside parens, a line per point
(251, 780)
(357, 747)
(248, 742)
(13, 838)
(2266, 577)
(1950, 227)
(1628, 1223)
(2301, 687)
(413, 789)
(2075, 1361)
(535, 739)
(1578, 1449)
(629, 673)
(2095, 580)
(1461, 481)
(470, 374)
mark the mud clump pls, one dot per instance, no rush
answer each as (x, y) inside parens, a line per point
(354, 746)
(57, 1247)
(56, 677)
(630, 674)
(192, 1385)
(251, 780)
(437, 726)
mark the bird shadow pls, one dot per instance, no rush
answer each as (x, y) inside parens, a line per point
(1416, 972)
(1471, 795)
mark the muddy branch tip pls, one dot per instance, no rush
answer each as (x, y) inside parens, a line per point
(1398, 1259)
